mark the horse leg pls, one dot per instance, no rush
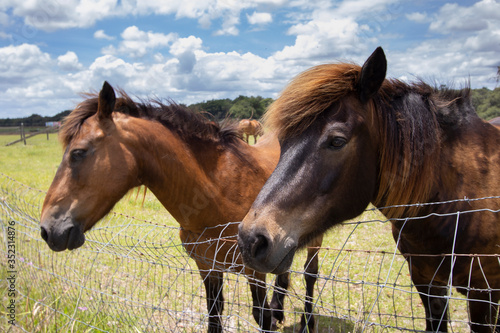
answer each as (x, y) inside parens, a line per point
(262, 313)
(277, 302)
(311, 275)
(435, 305)
(215, 300)
(483, 309)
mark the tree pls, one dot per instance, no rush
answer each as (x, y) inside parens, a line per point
(216, 107)
(242, 108)
(486, 102)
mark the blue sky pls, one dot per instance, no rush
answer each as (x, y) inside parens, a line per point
(193, 50)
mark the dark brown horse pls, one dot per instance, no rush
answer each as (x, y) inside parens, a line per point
(204, 175)
(350, 137)
(250, 127)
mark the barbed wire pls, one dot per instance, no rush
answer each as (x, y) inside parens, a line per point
(134, 275)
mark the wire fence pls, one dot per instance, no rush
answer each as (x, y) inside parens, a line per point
(134, 275)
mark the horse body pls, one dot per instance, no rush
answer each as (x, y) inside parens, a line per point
(495, 121)
(250, 127)
(465, 238)
(350, 137)
(205, 176)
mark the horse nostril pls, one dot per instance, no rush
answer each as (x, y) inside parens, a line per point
(260, 247)
(44, 234)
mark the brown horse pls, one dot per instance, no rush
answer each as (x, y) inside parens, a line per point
(250, 127)
(350, 137)
(204, 175)
(495, 121)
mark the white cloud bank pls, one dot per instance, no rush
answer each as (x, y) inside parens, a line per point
(150, 63)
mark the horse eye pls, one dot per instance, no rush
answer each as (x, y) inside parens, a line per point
(78, 155)
(338, 142)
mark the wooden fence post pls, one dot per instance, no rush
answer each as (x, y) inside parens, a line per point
(23, 134)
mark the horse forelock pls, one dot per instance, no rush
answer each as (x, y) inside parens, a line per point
(309, 95)
(185, 122)
(73, 122)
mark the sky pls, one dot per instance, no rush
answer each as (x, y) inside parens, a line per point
(191, 51)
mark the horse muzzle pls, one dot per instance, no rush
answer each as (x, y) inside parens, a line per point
(264, 254)
(62, 235)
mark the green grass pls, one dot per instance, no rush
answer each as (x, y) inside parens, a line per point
(133, 275)
(33, 164)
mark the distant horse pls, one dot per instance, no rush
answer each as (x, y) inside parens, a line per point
(250, 127)
(350, 137)
(495, 121)
(204, 175)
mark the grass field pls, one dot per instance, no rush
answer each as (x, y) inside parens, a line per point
(362, 285)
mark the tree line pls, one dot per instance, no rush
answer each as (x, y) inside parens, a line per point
(34, 120)
(485, 101)
(239, 108)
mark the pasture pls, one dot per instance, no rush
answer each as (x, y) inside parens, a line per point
(133, 275)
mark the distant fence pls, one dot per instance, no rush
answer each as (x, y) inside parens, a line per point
(21, 130)
(134, 276)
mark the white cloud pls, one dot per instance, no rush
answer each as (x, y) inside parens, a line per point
(112, 67)
(259, 18)
(69, 62)
(184, 50)
(183, 45)
(22, 62)
(182, 8)
(4, 19)
(484, 41)
(157, 63)
(453, 18)
(52, 15)
(417, 17)
(100, 34)
(137, 43)
(323, 38)
(447, 63)
(466, 46)
(30, 82)
(230, 20)
(4, 35)
(362, 8)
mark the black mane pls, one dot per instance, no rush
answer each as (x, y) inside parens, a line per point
(415, 120)
(186, 123)
(450, 107)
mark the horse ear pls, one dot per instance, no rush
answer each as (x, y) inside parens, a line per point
(106, 101)
(372, 75)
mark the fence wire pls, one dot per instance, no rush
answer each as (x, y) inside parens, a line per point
(134, 275)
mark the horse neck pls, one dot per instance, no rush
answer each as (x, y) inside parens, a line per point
(469, 162)
(200, 183)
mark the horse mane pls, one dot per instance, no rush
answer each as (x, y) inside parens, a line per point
(309, 95)
(186, 123)
(413, 119)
